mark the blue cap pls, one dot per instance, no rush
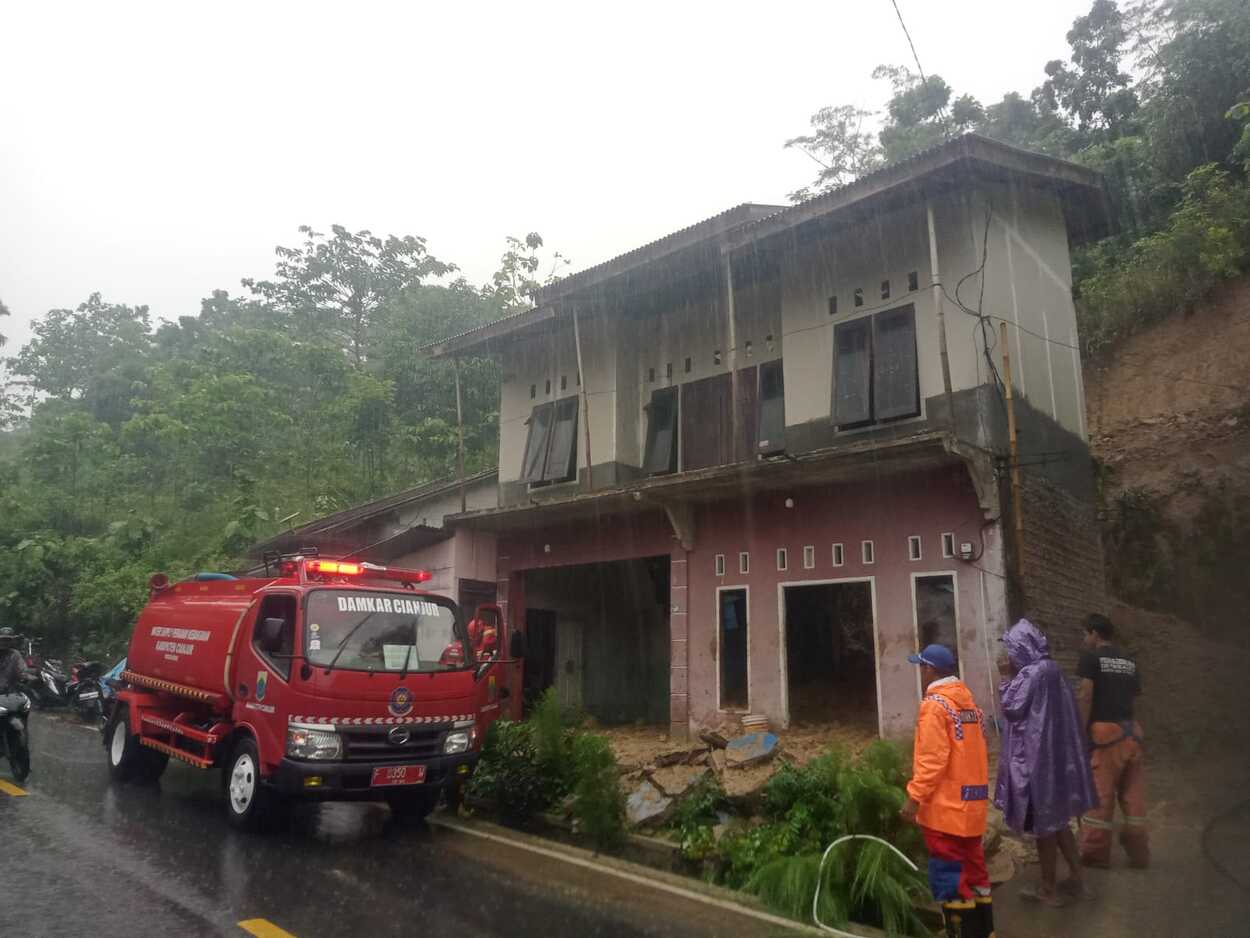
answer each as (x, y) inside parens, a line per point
(935, 656)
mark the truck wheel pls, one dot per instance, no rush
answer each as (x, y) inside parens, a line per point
(249, 804)
(414, 805)
(129, 760)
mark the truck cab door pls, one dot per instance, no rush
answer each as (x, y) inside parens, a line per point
(499, 690)
(263, 677)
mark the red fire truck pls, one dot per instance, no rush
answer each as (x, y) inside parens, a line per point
(332, 679)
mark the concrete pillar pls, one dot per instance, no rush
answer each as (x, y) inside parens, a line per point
(679, 659)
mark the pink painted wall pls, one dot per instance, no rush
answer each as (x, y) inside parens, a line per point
(886, 511)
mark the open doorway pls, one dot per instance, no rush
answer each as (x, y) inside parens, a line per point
(599, 634)
(540, 654)
(831, 662)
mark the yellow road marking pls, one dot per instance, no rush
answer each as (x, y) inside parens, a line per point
(263, 928)
(10, 789)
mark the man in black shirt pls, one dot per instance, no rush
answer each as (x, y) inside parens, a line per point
(1110, 683)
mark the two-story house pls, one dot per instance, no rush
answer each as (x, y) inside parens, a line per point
(751, 466)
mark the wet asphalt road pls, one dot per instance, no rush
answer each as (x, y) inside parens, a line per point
(87, 858)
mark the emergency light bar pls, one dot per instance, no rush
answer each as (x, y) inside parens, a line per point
(351, 568)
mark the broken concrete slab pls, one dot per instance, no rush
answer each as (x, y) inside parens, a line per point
(647, 805)
(678, 757)
(716, 759)
(751, 749)
(744, 787)
(676, 780)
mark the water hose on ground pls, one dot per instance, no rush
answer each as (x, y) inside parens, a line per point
(820, 876)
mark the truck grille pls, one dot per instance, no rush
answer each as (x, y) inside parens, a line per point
(371, 743)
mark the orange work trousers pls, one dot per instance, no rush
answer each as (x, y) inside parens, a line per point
(1119, 775)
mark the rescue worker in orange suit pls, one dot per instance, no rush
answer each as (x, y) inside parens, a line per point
(948, 795)
(1110, 682)
(484, 638)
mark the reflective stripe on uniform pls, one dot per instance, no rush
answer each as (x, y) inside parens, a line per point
(1135, 821)
(958, 717)
(1097, 823)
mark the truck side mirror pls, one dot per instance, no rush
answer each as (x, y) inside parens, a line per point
(516, 645)
(269, 635)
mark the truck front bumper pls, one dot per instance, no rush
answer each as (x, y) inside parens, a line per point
(346, 781)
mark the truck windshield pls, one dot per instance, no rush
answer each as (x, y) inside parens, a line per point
(361, 631)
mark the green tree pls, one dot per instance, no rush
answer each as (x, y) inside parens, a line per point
(334, 286)
(1093, 87)
(842, 144)
(514, 284)
(72, 348)
(917, 117)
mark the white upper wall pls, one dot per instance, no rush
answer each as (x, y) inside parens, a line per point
(889, 248)
(1027, 281)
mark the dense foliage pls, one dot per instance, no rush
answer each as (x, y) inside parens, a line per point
(804, 810)
(531, 767)
(136, 446)
(1154, 95)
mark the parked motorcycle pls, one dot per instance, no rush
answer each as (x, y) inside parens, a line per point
(47, 684)
(84, 690)
(14, 737)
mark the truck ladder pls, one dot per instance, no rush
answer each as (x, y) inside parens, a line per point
(182, 740)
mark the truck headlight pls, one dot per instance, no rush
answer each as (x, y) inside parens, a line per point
(456, 742)
(304, 742)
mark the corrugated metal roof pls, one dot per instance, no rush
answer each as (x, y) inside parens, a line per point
(750, 221)
(740, 215)
(363, 512)
(969, 146)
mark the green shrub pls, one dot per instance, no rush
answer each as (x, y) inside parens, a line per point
(553, 740)
(695, 816)
(598, 802)
(1206, 240)
(510, 774)
(807, 808)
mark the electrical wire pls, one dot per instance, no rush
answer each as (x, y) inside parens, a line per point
(820, 876)
(919, 68)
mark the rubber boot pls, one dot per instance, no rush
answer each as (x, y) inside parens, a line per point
(961, 918)
(985, 912)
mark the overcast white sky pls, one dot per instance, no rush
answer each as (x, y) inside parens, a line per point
(156, 152)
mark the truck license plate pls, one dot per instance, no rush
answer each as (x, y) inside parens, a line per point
(398, 775)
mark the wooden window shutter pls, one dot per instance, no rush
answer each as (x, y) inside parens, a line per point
(852, 373)
(562, 453)
(537, 442)
(660, 455)
(772, 412)
(896, 390)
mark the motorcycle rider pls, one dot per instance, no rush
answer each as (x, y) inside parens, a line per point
(12, 664)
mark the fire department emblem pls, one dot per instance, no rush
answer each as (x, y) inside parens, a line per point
(400, 703)
(262, 682)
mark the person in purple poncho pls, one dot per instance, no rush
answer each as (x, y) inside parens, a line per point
(1044, 777)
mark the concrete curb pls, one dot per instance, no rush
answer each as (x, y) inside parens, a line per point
(693, 889)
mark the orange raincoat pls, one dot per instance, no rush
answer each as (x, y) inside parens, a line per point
(950, 771)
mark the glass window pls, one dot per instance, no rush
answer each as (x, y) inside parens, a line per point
(935, 612)
(660, 455)
(772, 408)
(359, 630)
(278, 607)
